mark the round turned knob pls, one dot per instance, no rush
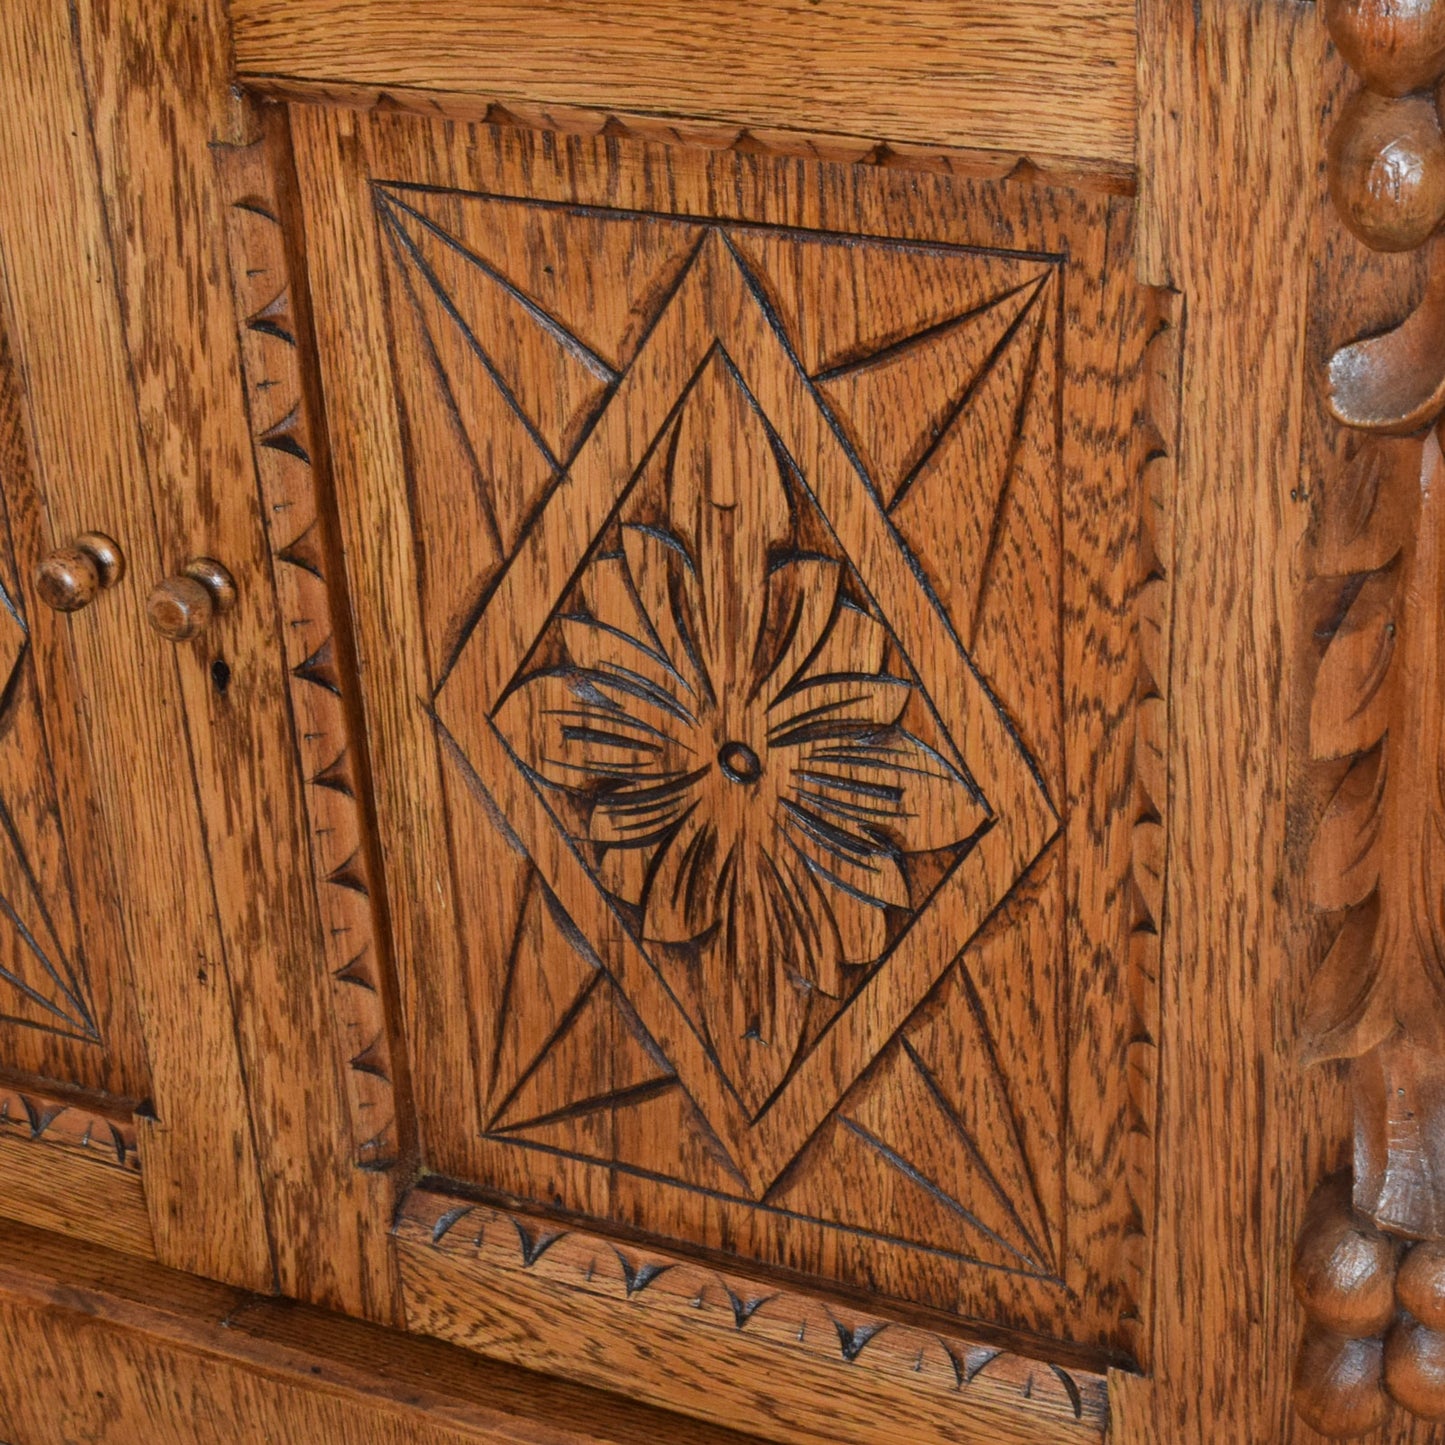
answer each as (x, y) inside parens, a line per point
(183, 605)
(70, 577)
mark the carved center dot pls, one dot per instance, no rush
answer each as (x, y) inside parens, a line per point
(740, 762)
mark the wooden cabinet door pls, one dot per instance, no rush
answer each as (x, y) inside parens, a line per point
(758, 569)
(163, 938)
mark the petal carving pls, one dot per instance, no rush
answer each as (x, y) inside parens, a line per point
(1351, 707)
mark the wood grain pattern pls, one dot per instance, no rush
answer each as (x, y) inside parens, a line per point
(1044, 82)
(75, 1194)
(537, 331)
(67, 1167)
(68, 1013)
(155, 113)
(720, 1344)
(1234, 1114)
(102, 1348)
(258, 184)
(65, 322)
(1075, 172)
(68, 1122)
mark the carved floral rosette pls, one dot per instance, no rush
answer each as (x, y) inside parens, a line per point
(1370, 1266)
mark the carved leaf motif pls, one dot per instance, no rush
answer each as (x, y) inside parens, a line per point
(1379, 997)
(1344, 862)
(1351, 707)
(1347, 1014)
(726, 707)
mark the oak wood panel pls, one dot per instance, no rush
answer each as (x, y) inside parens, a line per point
(429, 537)
(720, 1346)
(65, 324)
(67, 1166)
(1229, 145)
(101, 1348)
(73, 1193)
(1044, 81)
(70, 1015)
(566, 119)
(157, 109)
(72, 1122)
(273, 310)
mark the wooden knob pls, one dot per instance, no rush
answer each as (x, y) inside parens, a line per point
(183, 605)
(71, 577)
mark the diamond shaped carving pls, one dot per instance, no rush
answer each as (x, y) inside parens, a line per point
(724, 711)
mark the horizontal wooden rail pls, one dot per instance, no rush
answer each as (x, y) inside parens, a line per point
(1054, 82)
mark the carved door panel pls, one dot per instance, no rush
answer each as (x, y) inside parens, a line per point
(65, 1013)
(756, 570)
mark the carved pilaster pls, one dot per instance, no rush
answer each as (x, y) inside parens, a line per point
(1368, 1270)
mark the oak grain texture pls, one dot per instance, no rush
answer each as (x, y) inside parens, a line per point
(430, 539)
(74, 1194)
(1046, 81)
(77, 960)
(1231, 144)
(720, 1346)
(265, 239)
(169, 1358)
(161, 97)
(66, 324)
(70, 1121)
(68, 1166)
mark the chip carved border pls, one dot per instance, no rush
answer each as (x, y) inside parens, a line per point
(52, 1120)
(517, 1277)
(289, 456)
(1369, 1268)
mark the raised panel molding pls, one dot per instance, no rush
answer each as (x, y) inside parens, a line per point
(761, 576)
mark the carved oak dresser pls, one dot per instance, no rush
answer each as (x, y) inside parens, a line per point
(722, 722)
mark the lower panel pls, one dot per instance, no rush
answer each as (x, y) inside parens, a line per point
(719, 1346)
(66, 1168)
(167, 1357)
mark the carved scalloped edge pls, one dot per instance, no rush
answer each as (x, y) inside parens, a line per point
(1158, 435)
(673, 1292)
(1076, 173)
(275, 345)
(108, 1140)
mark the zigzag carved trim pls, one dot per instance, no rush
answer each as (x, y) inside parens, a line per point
(612, 1314)
(580, 120)
(109, 1140)
(286, 456)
